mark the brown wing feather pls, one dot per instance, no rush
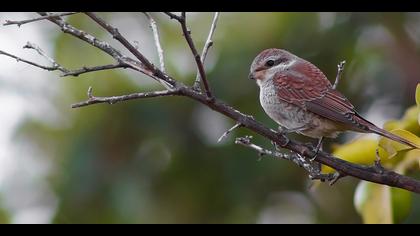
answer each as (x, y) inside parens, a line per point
(313, 92)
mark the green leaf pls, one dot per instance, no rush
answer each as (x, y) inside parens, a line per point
(401, 204)
(410, 160)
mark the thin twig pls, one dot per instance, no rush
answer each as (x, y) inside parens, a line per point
(117, 35)
(312, 168)
(103, 46)
(225, 134)
(35, 47)
(335, 177)
(48, 68)
(340, 69)
(159, 49)
(207, 45)
(200, 66)
(115, 99)
(22, 22)
(173, 16)
(92, 69)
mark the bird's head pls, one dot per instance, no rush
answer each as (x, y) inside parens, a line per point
(268, 62)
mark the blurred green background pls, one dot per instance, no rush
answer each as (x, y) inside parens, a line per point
(158, 160)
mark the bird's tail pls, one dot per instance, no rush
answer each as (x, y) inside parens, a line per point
(392, 136)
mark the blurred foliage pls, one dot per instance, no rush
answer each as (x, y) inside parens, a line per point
(379, 203)
(157, 160)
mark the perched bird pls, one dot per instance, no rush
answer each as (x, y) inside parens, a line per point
(300, 98)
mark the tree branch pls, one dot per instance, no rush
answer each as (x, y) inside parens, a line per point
(22, 22)
(107, 48)
(48, 68)
(313, 168)
(173, 16)
(225, 134)
(159, 49)
(187, 34)
(93, 69)
(207, 45)
(117, 35)
(35, 47)
(115, 99)
(368, 173)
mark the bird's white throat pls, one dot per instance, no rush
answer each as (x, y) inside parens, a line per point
(273, 70)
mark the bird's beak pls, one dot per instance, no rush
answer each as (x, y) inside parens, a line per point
(251, 76)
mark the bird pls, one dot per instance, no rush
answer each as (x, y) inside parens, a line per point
(299, 98)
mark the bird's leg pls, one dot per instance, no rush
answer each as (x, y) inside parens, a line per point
(318, 148)
(283, 131)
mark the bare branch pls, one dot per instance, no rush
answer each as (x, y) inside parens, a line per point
(155, 31)
(93, 69)
(35, 47)
(48, 68)
(313, 168)
(22, 22)
(207, 45)
(200, 66)
(340, 69)
(107, 48)
(117, 35)
(225, 134)
(103, 46)
(173, 16)
(115, 99)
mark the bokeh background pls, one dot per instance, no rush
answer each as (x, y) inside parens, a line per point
(158, 160)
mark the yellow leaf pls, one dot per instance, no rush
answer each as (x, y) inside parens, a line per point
(358, 151)
(410, 160)
(373, 203)
(393, 147)
(418, 100)
(408, 122)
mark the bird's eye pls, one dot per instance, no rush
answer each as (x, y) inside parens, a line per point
(270, 63)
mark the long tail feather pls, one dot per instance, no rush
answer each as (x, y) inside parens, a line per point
(392, 136)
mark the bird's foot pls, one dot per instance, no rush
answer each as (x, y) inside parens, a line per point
(283, 131)
(378, 166)
(317, 148)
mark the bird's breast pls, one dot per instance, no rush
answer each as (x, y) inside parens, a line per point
(292, 116)
(285, 114)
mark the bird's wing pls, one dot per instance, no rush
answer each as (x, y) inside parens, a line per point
(313, 92)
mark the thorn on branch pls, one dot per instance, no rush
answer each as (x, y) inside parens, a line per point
(336, 176)
(225, 134)
(90, 93)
